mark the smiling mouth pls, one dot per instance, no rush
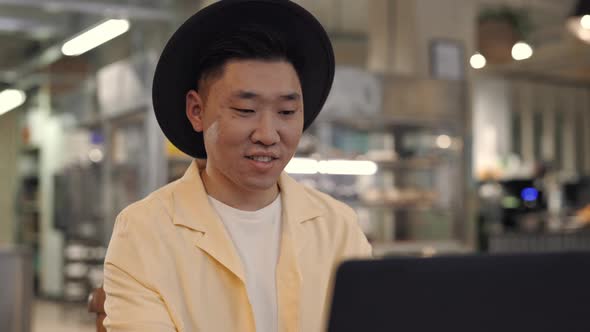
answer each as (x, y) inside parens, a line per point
(264, 159)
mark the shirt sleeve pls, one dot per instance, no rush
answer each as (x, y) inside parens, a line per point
(132, 302)
(356, 244)
(359, 247)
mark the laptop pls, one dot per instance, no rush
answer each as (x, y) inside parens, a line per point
(499, 293)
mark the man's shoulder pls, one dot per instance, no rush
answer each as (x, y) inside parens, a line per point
(142, 231)
(156, 207)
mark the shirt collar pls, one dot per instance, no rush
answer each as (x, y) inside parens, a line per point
(193, 210)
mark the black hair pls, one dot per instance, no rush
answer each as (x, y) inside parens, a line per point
(251, 42)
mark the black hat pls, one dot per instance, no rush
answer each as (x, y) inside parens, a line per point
(178, 68)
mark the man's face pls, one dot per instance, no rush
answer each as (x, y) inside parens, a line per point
(252, 120)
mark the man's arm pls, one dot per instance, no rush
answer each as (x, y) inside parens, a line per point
(357, 245)
(132, 304)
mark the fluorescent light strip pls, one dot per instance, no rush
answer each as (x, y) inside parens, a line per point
(94, 37)
(302, 166)
(11, 99)
(336, 167)
(347, 167)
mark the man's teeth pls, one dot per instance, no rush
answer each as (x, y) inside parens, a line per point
(261, 158)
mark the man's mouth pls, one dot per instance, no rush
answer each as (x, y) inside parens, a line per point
(264, 159)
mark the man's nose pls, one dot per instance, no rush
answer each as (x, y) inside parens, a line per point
(266, 131)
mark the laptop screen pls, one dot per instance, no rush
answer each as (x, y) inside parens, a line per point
(531, 292)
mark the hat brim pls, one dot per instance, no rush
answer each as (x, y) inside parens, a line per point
(177, 67)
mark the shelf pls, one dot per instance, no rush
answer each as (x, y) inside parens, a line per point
(31, 241)
(82, 278)
(180, 159)
(400, 206)
(125, 116)
(389, 122)
(420, 248)
(27, 211)
(30, 149)
(412, 163)
(423, 206)
(29, 207)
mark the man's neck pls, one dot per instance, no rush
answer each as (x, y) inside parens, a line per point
(223, 190)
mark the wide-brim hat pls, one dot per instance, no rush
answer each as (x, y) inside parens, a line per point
(178, 66)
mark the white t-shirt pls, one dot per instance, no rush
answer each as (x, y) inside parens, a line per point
(256, 237)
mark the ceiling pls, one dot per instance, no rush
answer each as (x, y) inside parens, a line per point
(32, 30)
(558, 54)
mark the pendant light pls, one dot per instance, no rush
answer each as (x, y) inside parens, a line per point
(579, 22)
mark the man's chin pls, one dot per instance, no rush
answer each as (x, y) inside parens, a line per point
(261, 183)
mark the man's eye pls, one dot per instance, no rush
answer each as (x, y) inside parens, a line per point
(287, 112)
(244, 110)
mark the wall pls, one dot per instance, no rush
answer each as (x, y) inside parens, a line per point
(48, 133)
(9, 141)
(550, 99)
(491, 121)
(440, 20)
(401, 33)
(497, 100)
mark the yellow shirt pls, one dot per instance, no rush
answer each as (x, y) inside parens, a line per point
(171, 265)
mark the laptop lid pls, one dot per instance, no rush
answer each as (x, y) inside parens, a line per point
(525, 292)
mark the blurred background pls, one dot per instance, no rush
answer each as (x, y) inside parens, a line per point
(453, 126)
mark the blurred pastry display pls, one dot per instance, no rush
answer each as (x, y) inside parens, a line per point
(412, 186)
(410, 197)
(583, 215)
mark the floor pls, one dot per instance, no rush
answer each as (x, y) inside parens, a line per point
(58, 317)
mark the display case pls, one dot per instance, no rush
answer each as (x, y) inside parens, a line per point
(126, 159)
(134, 145)
(78, 193)
(406, 173)
(28, 212)
(177, 162)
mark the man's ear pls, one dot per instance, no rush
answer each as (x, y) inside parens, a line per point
(194, 110)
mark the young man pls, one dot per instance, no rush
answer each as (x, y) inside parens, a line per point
(235, 244)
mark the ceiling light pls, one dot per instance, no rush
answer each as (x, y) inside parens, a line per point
(95, 155)
(94, 37)
(336, 167)
(477, 61)
(521, 51)
(443, 141)
(11, 99)
(347, 167)
(302, 166)
(579, 22)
